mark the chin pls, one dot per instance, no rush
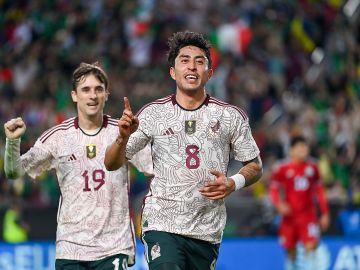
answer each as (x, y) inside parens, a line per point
(191, 89)
(92, 114)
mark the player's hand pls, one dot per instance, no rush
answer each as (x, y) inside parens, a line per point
(14, 128)
(324, 222)
(128, 123)
(219, 188)
(283, 208)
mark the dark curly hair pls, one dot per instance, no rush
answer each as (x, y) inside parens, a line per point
(187, 38)
(86, 69)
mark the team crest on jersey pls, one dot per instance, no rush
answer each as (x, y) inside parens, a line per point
(190, 127)
(155, 251)
(91, 151)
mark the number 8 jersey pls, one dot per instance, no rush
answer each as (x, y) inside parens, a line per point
(93, 216)
(186, 145)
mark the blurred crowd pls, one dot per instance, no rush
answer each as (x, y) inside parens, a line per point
(293, 66)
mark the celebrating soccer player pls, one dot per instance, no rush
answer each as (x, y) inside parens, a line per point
(94, 226)
(192, 136)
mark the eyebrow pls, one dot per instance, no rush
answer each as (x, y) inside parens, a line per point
(96, 86)
(188, 56)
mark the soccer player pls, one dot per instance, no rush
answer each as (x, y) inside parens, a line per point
(295, 189)
(94, 229)
(192, 136)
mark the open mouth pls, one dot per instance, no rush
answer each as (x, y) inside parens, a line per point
(191, 77)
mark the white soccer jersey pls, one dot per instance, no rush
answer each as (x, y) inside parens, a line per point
(93, 217)
(186, 145)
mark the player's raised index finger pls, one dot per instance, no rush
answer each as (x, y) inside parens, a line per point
(127, 104)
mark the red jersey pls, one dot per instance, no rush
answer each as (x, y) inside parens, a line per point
(301, 185)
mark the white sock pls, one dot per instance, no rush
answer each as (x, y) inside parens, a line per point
(290, 264)
(310, 261)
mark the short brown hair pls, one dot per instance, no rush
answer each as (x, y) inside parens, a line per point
(85, 69)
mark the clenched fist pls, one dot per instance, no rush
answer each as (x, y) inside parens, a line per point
(14, 128)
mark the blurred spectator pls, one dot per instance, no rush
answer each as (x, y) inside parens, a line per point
(15, 229)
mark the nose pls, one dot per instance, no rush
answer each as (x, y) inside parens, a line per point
(192, 65)
(93, 94)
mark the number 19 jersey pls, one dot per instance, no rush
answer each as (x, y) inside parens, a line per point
(186, 145)
(93, 216)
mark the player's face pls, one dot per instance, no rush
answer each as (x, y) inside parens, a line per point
(300, 151)
(191, 70)
(90, 96)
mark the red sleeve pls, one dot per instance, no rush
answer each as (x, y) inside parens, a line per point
(274, 190)
(320, 194)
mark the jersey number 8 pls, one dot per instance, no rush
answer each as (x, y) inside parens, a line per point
(192, 160)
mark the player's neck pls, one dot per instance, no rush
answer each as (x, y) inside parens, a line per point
(298, 161)
(90, 123)
(190, 100)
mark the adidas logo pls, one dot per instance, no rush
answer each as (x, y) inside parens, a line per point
(169, 131)
(72, 157)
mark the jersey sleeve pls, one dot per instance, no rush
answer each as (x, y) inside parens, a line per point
(242, 141)
(274, 188)
(143, 160)
(37, 160)
(320, 192)
(140, 138)
(12, 163)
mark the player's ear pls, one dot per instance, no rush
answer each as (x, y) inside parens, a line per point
(74, 95)
(172, 73)
(107, 95)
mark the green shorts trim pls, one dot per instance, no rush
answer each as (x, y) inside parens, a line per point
(188, 253)
(115, 262)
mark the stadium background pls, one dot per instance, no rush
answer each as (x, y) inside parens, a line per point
(294, 66)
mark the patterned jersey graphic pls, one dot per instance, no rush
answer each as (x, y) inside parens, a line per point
(93, 216)
(186, 145)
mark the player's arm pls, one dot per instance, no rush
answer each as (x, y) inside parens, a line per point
(281, 206)
(222, 186)
(249, 174)
(324, 208)
(251, 171)
(245, 150)
(274, 192)
(14, 129)
(115, 155)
